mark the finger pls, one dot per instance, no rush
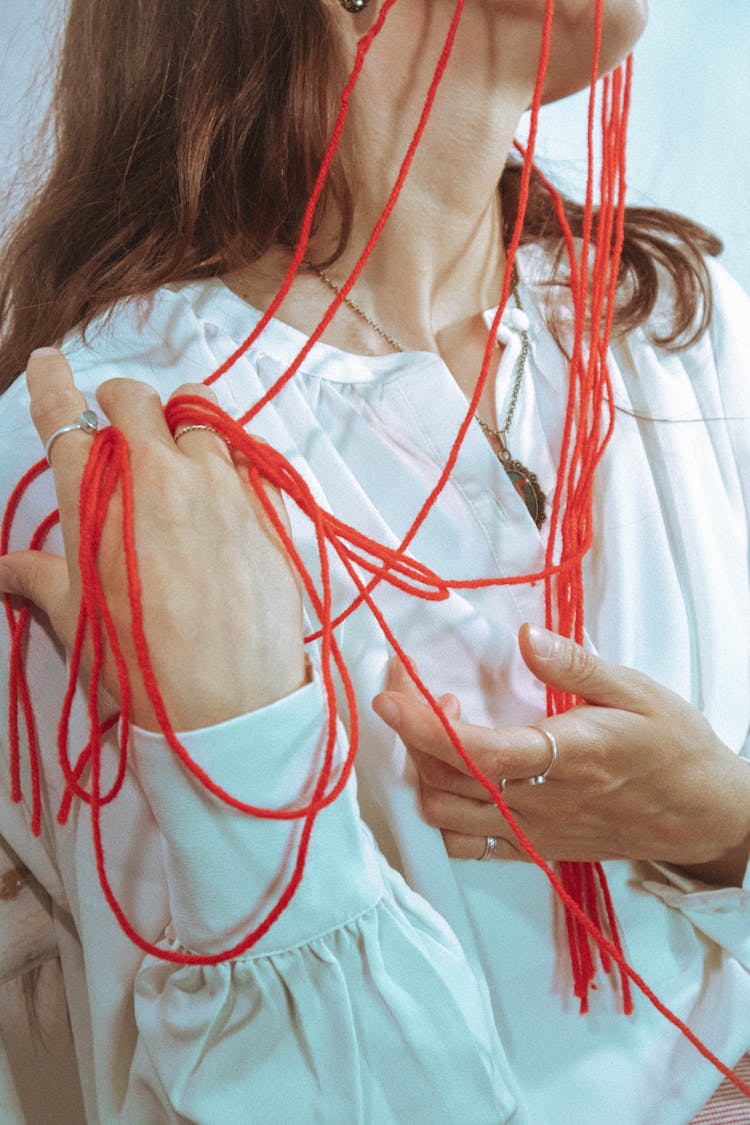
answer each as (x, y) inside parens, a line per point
(400, 676)
(460, 814)
(504, 752)
(569, 667)
(399, 679)
(43, 579)
(273, 496)
(440, 775)
(200, 439)
(135, 408)
(460, 846)
(57, 402)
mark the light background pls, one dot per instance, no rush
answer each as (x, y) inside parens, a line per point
(690, 140)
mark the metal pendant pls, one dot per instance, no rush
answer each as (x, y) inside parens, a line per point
(524, 481)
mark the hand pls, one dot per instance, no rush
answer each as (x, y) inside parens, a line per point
(640, 774)
(221, 605)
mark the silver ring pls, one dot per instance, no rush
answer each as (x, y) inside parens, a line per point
(489, 849)
(87, 421)
(552, 743)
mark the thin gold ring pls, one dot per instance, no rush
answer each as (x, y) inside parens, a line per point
(181, 430)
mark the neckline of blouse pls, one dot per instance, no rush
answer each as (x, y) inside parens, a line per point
(214, 302)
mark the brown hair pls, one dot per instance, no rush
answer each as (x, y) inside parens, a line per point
(187, 137)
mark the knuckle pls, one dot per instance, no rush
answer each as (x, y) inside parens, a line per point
(179, 492)
(499, 765)
(429, 769)
(432, 805)
(199, 389)
(581, 663)
(165, 478)
(455, 848)
(51, 404)
(113, 390)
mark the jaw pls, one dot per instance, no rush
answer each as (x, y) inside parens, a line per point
(573, 42)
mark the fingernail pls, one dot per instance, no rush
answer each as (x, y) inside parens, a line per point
(386, 706)
(544, 643)
(8, 580)
(44, 351)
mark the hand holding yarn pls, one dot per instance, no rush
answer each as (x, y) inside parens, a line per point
(640, 774)
(221, 604)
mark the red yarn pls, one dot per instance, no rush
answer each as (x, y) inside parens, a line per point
(581, 888)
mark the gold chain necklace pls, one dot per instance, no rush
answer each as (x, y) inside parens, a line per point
(523, 480)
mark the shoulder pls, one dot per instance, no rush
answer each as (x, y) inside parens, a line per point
(159, 340)
(720, 358)
(716, 364)
(729, 331)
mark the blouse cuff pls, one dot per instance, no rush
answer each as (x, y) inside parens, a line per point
(226, 869)
(721, 913)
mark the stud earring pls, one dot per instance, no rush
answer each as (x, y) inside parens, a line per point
(354, 5)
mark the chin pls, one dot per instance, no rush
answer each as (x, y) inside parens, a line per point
(624, 23)
(572, 42)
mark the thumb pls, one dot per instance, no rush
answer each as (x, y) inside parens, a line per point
(566, 666)
(40, 577)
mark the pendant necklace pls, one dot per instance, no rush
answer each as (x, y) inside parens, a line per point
(523, 480)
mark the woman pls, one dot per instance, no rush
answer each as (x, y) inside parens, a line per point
(191, 138)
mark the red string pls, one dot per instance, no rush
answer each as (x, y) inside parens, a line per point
(351, 281)
(582, 888)
(363, 49)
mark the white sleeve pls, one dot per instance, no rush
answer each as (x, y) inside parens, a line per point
(358, 1005)
(723, 914)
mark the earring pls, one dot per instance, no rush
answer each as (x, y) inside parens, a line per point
(354, 5)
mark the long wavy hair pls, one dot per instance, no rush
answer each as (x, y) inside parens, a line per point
(186, 137)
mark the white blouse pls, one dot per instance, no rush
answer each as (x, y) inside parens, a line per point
(400, 985)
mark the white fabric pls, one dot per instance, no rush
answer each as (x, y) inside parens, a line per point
(366, 1004)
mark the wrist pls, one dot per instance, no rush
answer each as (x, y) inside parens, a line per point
(239, 691)
(728, 868)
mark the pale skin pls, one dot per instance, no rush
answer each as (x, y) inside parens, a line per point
(197, 524)
(641, 774)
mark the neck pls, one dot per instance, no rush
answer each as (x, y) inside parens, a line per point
(440, 260)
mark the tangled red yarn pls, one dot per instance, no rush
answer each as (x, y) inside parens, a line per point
(589, 421)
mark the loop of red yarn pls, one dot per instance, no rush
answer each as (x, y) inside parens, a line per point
(582, 888)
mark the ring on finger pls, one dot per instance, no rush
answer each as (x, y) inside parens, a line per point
(87, 422)
(489, 849)
(551, 741)
(182, 430)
